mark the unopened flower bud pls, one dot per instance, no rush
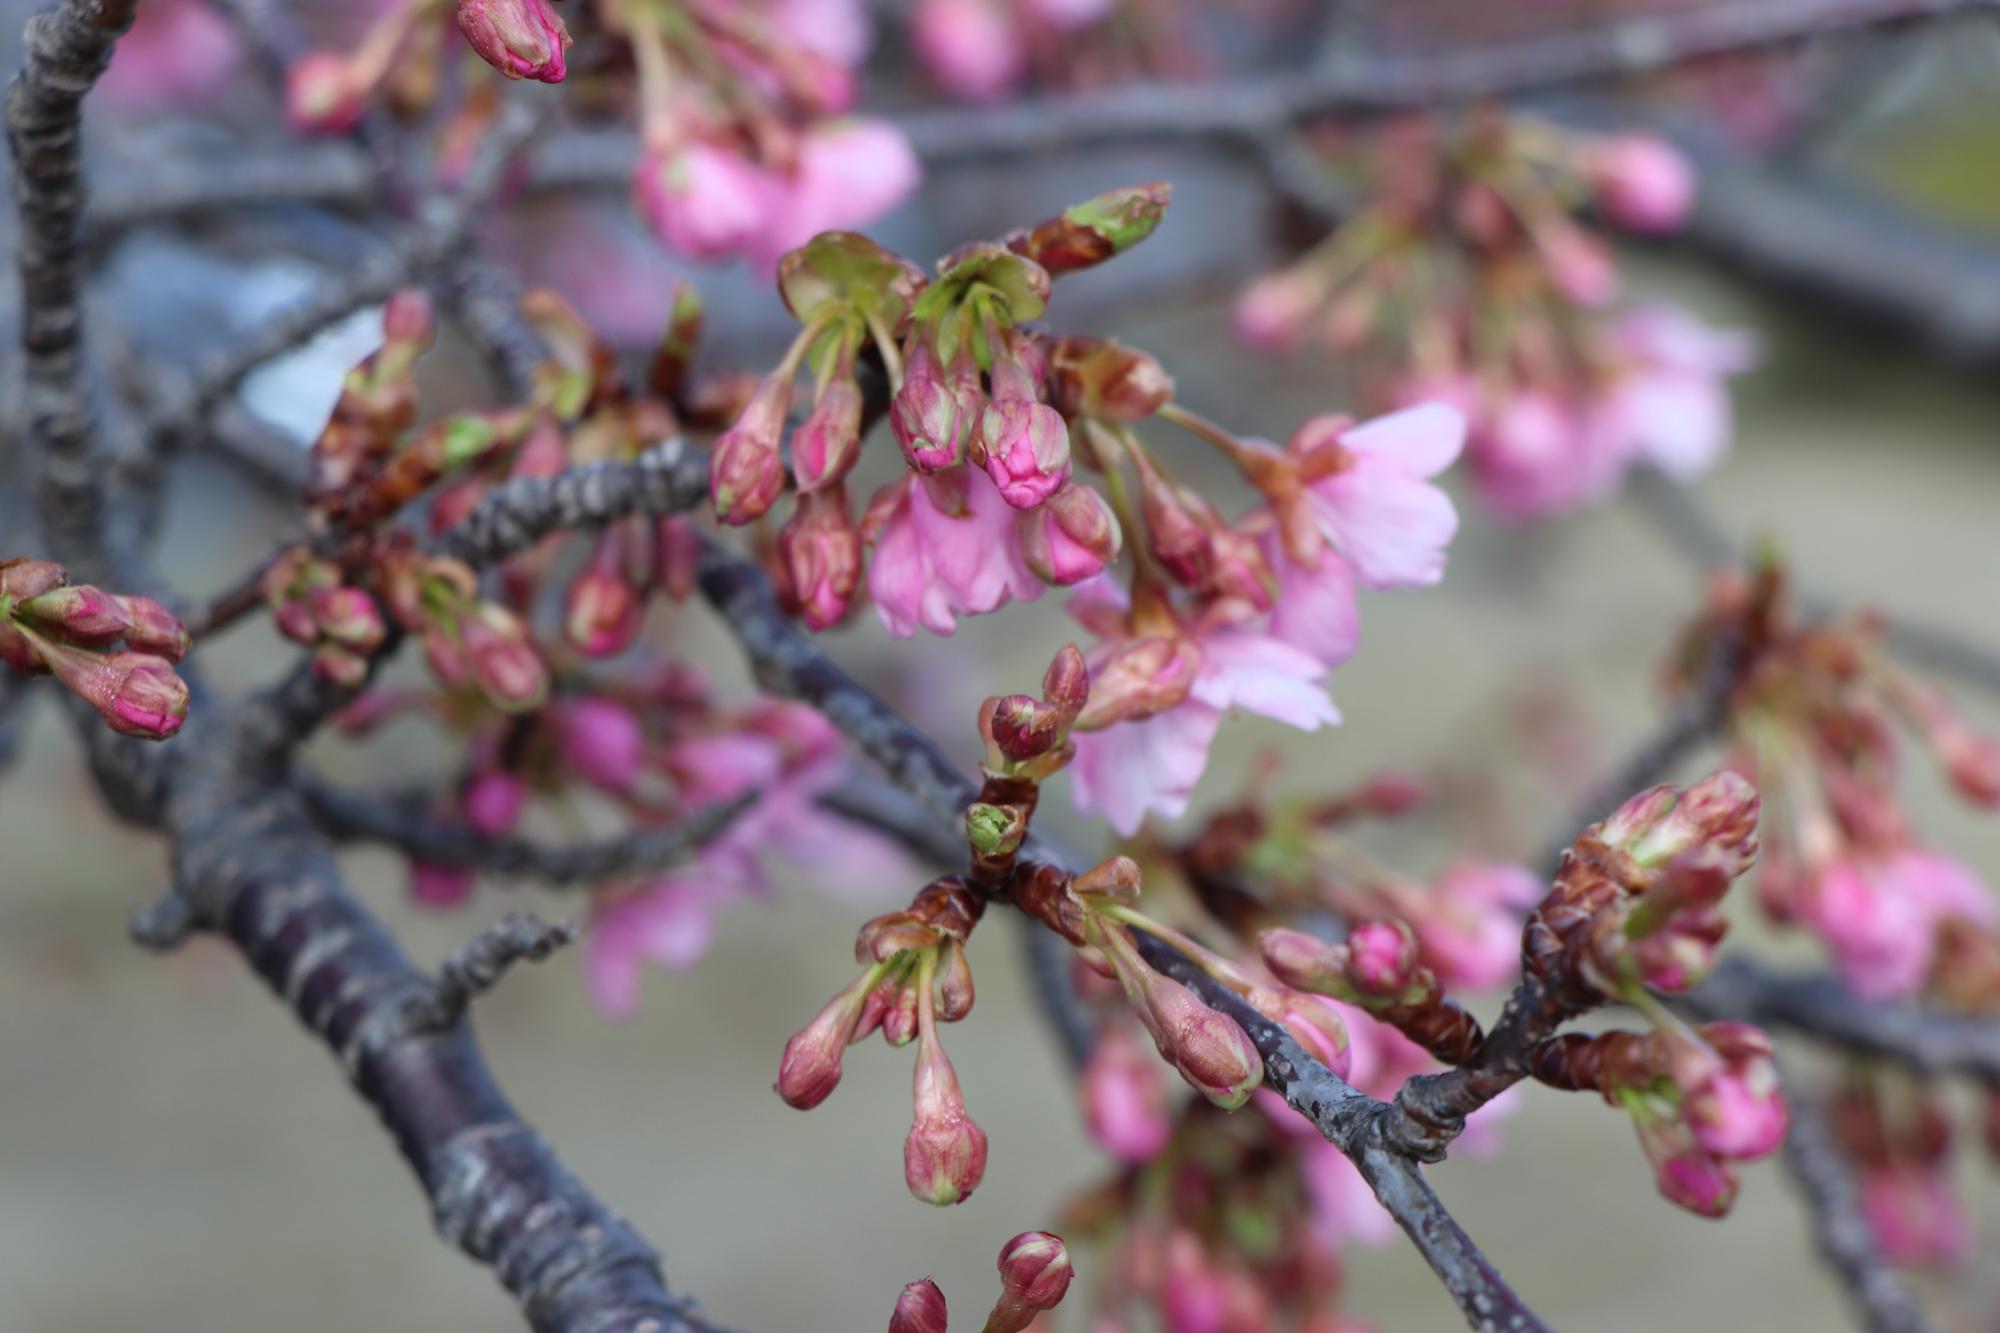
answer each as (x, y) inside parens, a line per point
(492, 802)
(440, 886)
(1316, 1025)
(1097, 229)
(931, 424)
(337, 666)
(21, 578)
(944, 1155)
(604, 742)
(1026, 450)
(1210, 1049)
(1071, 538)
(810, 1069)
(829, 440)
(1273, 312)
(995, 830)
(1022, 727)
(899, 1019)
(154, 629)
(1381, 957)
(920, 1309)
(1035, 1273)
(1066, 684)
(1303, 962)
(1719, 812)
(1972, 762)
(1124, 1096)
(1736, 1108)
(323, 94)
(746, 474)
(502, 662)
(602, 610)
(349, 617)
(145, 699)
(523, 39)
(81, 615)
(1175, 535)
(820, 550)
(1697, 1182)
(1642, 183)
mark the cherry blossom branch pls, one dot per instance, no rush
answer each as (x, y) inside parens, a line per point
(1845, 1240)
(400, 823)
(785, 661)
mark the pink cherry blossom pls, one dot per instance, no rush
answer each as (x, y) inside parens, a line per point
(1125, 1098)
(1670, 404)
(934, 562)
(670, 922)
(706, 201)
(837, 29)
(603, 742)
(1388, 519)
(1314, 609)
(1879, 915)
(1643, 183)
(177, 52)
(972, 48)
(1469, 932)
(1917, 1219)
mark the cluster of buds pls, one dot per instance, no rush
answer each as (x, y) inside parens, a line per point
(116, 652)
(1813, 712)
(1468, 279)
(312, 603)
(1899, 1136)
(1377, 970)
(1633, 908)
(1035, 1274)
(1701, 1099)
(915, 975)
(377, 404)
(746, 147)
(469, 642)
(397, 59)
(1230, 1226)
(987, 510)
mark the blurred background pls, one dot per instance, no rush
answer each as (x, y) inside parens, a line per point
(174, 1155)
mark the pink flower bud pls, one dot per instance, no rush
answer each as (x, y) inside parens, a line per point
(944, 1155)
(1021, 727)
(137, 693)
(523, 39)
(407, 318)
(1316, 1024)
(503, 664)
(1194, 1297)
(1736, 1107)
(899, 1020)
(337, 665)
(1210, 1049)
(440, 886)
(1642, 183)
(84, 616)
(746, 474)
(1303, 962)
(1381, 957)
(705, 201)
(1035, 1272)
(602, 611)
(492, 802)
(1071, 538)
(21, 578)
(820, 549)
(1066, 684)
(920, 1309)
(1697, 1182)
(1125, 1099)
(1095, 377)
(1972, 762)
(322, 94)
(810, 1070)
(604, 742)
(1579, 265)
(348, 616)
(829, 440)
(1719, 813)
(1026, 448)
(1917, 1219)
(955, 991)
(931, 423)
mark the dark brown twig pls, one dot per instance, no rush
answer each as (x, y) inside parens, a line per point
(477, 966)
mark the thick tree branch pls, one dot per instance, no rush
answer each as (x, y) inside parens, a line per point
(786, 662)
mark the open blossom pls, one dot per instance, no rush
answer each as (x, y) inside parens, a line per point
(1377, 501)
(944, 547)
(1669, 403)
(1151, 764)
(1469, 931)
(177, 52)
(1125, 1101)
(973, 48)
(705, 200)
(1880, 914)
(1917, 1218)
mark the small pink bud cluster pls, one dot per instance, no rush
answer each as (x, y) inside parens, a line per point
(1035, 1274)
(312, 604)
(1700, 1098)
(915, 976)
(1635, 901)
(377, 403)
(468, 643)
(117, 652)
(1378, 970)
(605, 605)
(1028, 738)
